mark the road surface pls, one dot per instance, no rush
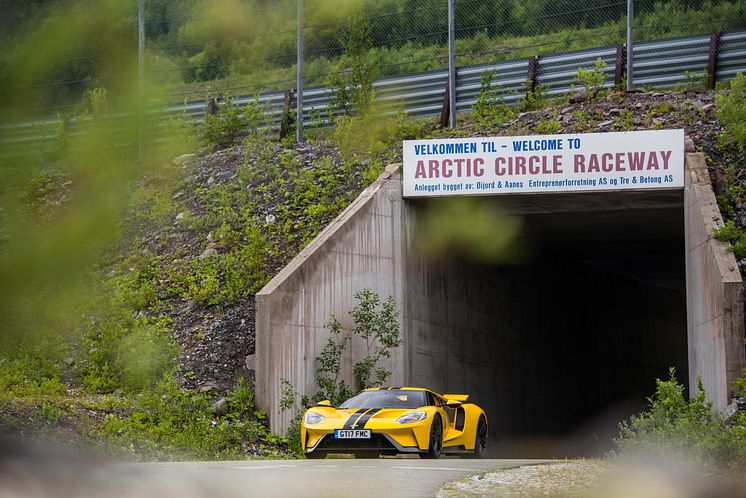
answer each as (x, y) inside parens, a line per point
(62, 476)
(390, 477)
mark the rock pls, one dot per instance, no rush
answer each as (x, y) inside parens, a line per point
(70, 361)
(177, 195)
(270, 218)
(707, 107)
(180, 217)
(208, 252)
(184, 159)
(604, 124)
(579, 97)
(689, 144)
(211, 180)
(251, 362)
(208, 387)
(220, 407)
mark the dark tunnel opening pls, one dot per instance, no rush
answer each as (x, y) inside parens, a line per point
(560, 348)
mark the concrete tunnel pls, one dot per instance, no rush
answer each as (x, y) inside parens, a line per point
(620, 286)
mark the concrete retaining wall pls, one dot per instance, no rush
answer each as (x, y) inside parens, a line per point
(714, 291)
(360, 249)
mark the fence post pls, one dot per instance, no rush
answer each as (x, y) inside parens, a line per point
(630, 45)
(533, 74)
(299, 85)
(621, 63)
(712, 62)
(140, 79)
(286, 118)
(445, 113)
(451, 89)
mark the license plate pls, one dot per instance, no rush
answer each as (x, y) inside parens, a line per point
(351, 433)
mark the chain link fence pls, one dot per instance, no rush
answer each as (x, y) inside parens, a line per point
(197, 50)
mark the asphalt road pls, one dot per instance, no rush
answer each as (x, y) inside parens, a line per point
(31, 472)
(388, 477)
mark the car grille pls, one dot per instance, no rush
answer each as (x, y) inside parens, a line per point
(377, 442)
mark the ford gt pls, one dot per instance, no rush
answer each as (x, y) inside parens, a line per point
(391, 420)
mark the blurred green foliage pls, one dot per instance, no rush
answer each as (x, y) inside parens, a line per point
(691, 429)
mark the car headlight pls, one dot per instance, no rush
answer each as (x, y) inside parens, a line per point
(312, 418)
(411, 417)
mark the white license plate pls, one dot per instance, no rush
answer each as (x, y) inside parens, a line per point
(351, 433)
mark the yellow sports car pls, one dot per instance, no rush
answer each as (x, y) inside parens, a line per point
(391, 420)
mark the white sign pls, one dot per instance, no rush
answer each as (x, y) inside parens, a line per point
(544, 163)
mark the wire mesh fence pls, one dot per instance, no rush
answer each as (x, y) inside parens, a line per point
(197, 50)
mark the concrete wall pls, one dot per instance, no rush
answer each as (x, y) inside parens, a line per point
(714, 291)
(361, 248)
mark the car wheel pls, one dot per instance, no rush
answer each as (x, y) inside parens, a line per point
(315, 455)
(480, 440)
(436, 439)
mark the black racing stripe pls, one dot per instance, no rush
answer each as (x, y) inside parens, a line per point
(354, 417)
(364, 419)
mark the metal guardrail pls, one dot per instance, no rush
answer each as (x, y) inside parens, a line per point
(657, 64)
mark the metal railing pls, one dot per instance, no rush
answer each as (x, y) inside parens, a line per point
(658, 64)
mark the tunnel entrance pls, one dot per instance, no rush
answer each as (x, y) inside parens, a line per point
(560, 348)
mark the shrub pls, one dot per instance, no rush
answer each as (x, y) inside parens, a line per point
(686, 428)
(592, 80)
(489, 110)
(166, 422)
(731, 111)
(733, 237)
(233, 122)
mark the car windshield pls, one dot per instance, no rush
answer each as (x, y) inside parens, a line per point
(386, 398)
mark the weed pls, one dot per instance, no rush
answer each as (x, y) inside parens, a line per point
(582, 121)
(733, 236)
(549, 125)
(592, 80)
(536, 98)
(625, 121)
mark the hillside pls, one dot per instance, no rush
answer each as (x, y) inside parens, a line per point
(160, 368)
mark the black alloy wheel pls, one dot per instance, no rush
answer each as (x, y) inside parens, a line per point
(480, 440)
(436, 439)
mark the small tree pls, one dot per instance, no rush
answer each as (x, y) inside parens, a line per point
(375, 321)
(330, 386)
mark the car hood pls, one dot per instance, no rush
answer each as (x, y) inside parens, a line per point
(347, 417)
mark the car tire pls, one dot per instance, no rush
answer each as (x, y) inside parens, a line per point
(315, 455)
(480, 440)
(436, 440)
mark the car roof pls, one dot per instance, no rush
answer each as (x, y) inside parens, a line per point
(405, 388)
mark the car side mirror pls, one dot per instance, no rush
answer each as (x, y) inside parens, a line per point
(326, 402)
(452, 403)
